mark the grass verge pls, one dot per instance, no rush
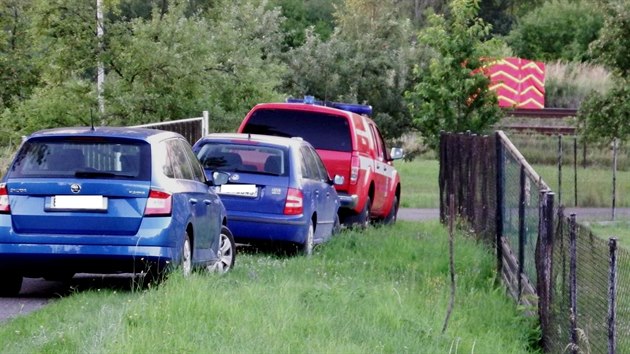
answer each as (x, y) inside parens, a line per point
(419, 183)
(382, 290)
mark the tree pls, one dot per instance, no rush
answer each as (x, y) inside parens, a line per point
(558, 30)
(366, 60)
(173, 64)
(452, 92)
(18, 73)
(604, 117)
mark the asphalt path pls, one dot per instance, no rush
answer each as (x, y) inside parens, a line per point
(36, 293)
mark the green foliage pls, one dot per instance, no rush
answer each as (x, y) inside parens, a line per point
(452, 92)
(559, 29)
(366, 60)
(18, 73)
(300, 15)
(604, 117)
(171, 64)
(613, 45)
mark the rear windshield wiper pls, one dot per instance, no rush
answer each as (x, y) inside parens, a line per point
(97, 174)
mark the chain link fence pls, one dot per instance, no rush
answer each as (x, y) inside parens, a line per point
(576, 283)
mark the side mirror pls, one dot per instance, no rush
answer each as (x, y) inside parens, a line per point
(396, 153)
(219, 178)
(338, 180)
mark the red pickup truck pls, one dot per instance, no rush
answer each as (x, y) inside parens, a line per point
(350, 146)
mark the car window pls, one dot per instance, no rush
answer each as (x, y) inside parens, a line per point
(79, 157)
(178, 160)
(323, 131)
(378, 148)
(310, 169)
(197, 171)
(220, 156)
(323, 173)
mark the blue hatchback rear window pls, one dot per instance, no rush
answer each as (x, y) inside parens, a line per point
(102, 158)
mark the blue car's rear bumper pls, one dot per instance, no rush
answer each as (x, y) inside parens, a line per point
(267, 227)
(36, 255)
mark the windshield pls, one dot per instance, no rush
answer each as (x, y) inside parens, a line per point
(94, 158)
(243, 158)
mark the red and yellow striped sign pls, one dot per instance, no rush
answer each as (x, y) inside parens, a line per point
(518, 82)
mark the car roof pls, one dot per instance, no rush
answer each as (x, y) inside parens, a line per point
(302, 107)
(144, 134)
(256, 138)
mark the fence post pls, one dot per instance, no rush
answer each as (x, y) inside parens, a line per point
(500, 167)
(612, 296)
(544, 253)
(205, 124)
(575, 189)
(573, 283)
(443, 175)
(521, 230)
(614, 178)
(559, 169)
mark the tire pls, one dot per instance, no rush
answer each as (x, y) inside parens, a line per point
(307, 246)
(364, 217)
(186, 256)
(226, 254)
(10, 284)
(390, 219)
(336, 225)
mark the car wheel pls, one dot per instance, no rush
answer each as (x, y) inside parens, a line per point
(307, 246)
(11, 284)
(364, 216)
(393, 213)
(186, 256)
(226, 254)
(336, 225)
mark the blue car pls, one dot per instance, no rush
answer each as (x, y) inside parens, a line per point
(278, 191)
(108, 200)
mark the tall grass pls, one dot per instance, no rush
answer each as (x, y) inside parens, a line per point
(383, 290)
(567, 84)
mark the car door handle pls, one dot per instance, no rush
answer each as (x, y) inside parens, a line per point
(192, 201)
(207, 201)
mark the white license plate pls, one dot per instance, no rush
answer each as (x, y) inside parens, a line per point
(244, 190)
(78, 202)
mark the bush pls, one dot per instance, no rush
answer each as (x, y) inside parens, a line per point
(559, 29)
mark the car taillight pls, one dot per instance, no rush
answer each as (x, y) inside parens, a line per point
(355, 165)
(294, 204)
(5, 207)
(159, 203)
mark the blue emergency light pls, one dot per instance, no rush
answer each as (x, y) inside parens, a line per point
(350, 107)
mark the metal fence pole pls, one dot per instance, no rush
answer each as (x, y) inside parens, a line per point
(500, 167)
(573, 283)
(612, 295)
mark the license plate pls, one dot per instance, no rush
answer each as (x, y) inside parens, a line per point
(243, 190)
(78, 202)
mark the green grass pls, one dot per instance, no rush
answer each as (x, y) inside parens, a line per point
(419, 183)
(385, 290)
(617, 229)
